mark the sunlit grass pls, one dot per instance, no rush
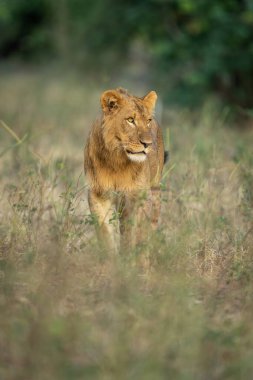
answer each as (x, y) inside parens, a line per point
(71, 311)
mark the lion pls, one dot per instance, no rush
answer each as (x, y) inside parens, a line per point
(123, 161)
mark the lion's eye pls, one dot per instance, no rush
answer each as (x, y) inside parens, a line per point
(130, 120)
(149, 121)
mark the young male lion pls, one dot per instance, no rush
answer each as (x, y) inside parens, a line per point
(123, 161)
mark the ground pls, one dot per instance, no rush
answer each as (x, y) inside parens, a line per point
(71, 311)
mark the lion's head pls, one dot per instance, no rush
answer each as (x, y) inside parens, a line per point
(127, 122)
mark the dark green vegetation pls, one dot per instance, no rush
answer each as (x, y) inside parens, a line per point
(195, 47)
(69, 310)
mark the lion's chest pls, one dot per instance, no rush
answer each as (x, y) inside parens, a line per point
(124, 180)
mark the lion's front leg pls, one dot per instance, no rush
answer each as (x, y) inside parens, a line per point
(156, 207)
(127, 223)
(135, 219)
(102, 206)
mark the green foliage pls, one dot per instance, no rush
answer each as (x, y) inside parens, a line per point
(197, 46)
(208, 46)
(24, 28)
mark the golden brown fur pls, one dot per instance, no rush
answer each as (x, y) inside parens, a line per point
(124, 156)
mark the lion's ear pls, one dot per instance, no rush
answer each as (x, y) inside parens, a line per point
(110, 100)
(149, 100)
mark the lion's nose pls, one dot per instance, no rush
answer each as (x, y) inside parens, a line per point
(146, 143)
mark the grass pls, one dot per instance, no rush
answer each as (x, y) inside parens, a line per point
(70, 310)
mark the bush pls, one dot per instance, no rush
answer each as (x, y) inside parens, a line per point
(197, 46)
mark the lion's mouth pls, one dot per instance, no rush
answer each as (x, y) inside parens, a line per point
(140, 152)
(136, 156)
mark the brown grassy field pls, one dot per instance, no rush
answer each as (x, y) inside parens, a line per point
(70, 310)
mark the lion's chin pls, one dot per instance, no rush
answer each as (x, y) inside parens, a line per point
(137, 157)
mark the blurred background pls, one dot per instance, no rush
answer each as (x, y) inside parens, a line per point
(186, 49)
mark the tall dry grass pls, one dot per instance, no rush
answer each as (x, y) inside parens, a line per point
(71, 311)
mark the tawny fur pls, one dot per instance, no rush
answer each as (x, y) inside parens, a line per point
(124, 154)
